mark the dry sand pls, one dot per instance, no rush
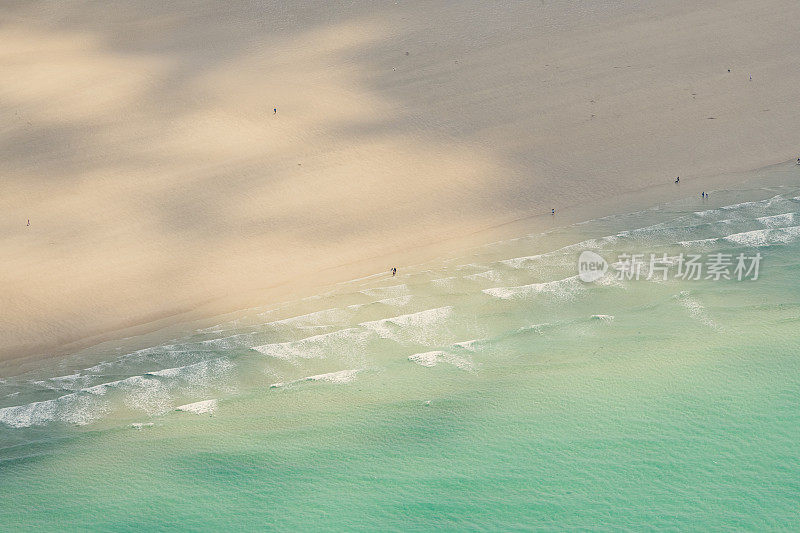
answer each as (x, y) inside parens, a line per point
(139, 138)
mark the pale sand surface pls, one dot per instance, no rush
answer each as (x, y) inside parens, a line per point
(138, 138)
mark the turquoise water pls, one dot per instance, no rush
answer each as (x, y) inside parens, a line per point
(494, 390)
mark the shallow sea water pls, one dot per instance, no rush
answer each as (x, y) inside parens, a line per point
(493, 391)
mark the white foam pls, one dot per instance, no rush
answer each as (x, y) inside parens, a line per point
(765, 237)
(522, 262)
(699, 243)
(142, 393)
(565, 289)
(199, 408)
(696, 310)
(348, 340)
(133, 381)
(426, 358)
(471, 345)
(150, 393)
(152, 396)
(742, 206)
(229, 342)
(705, 213)
(775, 221)
(201, 373)
(536, 328)
(70, 382)
(141, 425)
(68, 379)
(167, 353)
(433, 358)
(340, 377)
(420, 326)
(604, 318)
(757, 203)
(396, 301)
(589, 244)
(610, 280)
(72, 408)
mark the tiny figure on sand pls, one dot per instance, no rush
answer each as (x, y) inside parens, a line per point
(394, 271)
(29, 220)
(275, 111)
(552, 211)
(678, 179)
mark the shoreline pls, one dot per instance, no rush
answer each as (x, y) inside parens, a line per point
(222, 159)
(204, 313)
(496, 374)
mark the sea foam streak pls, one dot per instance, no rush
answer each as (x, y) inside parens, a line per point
(396, 301)
(433, 358)
(340, 377)
(418, 327)
(696, 310)
(775, 221)
(199, 408)
(151, 393)
(73, 408)
(765, 237)
(565, 289)
(201, 373)
(346, 341)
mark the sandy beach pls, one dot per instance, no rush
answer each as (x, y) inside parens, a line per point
(196, 158)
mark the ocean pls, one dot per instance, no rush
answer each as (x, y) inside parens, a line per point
(499, 389)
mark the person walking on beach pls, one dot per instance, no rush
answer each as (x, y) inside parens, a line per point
(552, 211)
(275, 111)
(29, 220)
(394, 271)
(678, 179)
